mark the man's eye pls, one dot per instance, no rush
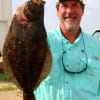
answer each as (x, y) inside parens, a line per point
(64, 6)
(75, 5)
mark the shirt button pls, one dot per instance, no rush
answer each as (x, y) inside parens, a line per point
(69, 49)
(66, 82)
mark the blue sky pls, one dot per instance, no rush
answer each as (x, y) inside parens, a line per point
(90, 21)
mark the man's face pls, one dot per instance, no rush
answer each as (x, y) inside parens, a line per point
(70, 13)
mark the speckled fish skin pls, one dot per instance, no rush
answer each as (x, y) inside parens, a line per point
(25, 52)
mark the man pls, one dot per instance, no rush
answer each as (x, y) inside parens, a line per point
(75, 73)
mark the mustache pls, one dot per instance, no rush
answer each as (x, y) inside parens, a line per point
(71, 15)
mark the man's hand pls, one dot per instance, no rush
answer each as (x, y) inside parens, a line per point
(20, 14)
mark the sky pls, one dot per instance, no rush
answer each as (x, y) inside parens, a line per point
(90, 20)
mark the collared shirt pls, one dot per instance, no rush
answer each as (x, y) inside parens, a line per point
(61, 85)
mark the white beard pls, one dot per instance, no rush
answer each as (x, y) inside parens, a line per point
(70, 26)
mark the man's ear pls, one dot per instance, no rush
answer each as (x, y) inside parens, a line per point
(57, 11)
(83, 9)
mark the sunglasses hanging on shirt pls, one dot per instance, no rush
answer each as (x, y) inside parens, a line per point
(75, 64)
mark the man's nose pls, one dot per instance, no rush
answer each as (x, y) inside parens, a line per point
(69, 9)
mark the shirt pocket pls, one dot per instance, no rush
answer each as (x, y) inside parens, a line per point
(90, 84)
(94, 62)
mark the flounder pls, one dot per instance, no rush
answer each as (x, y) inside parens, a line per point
(26, 55)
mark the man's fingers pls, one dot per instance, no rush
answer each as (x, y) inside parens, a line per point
(19, 11)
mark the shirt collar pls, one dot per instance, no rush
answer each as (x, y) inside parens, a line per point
(67, 41)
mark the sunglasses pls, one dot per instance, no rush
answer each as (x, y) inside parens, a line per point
(79, 67)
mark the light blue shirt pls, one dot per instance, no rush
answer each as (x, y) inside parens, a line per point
(61, 85)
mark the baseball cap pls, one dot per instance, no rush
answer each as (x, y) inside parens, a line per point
(80, 1)
(69, 0)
